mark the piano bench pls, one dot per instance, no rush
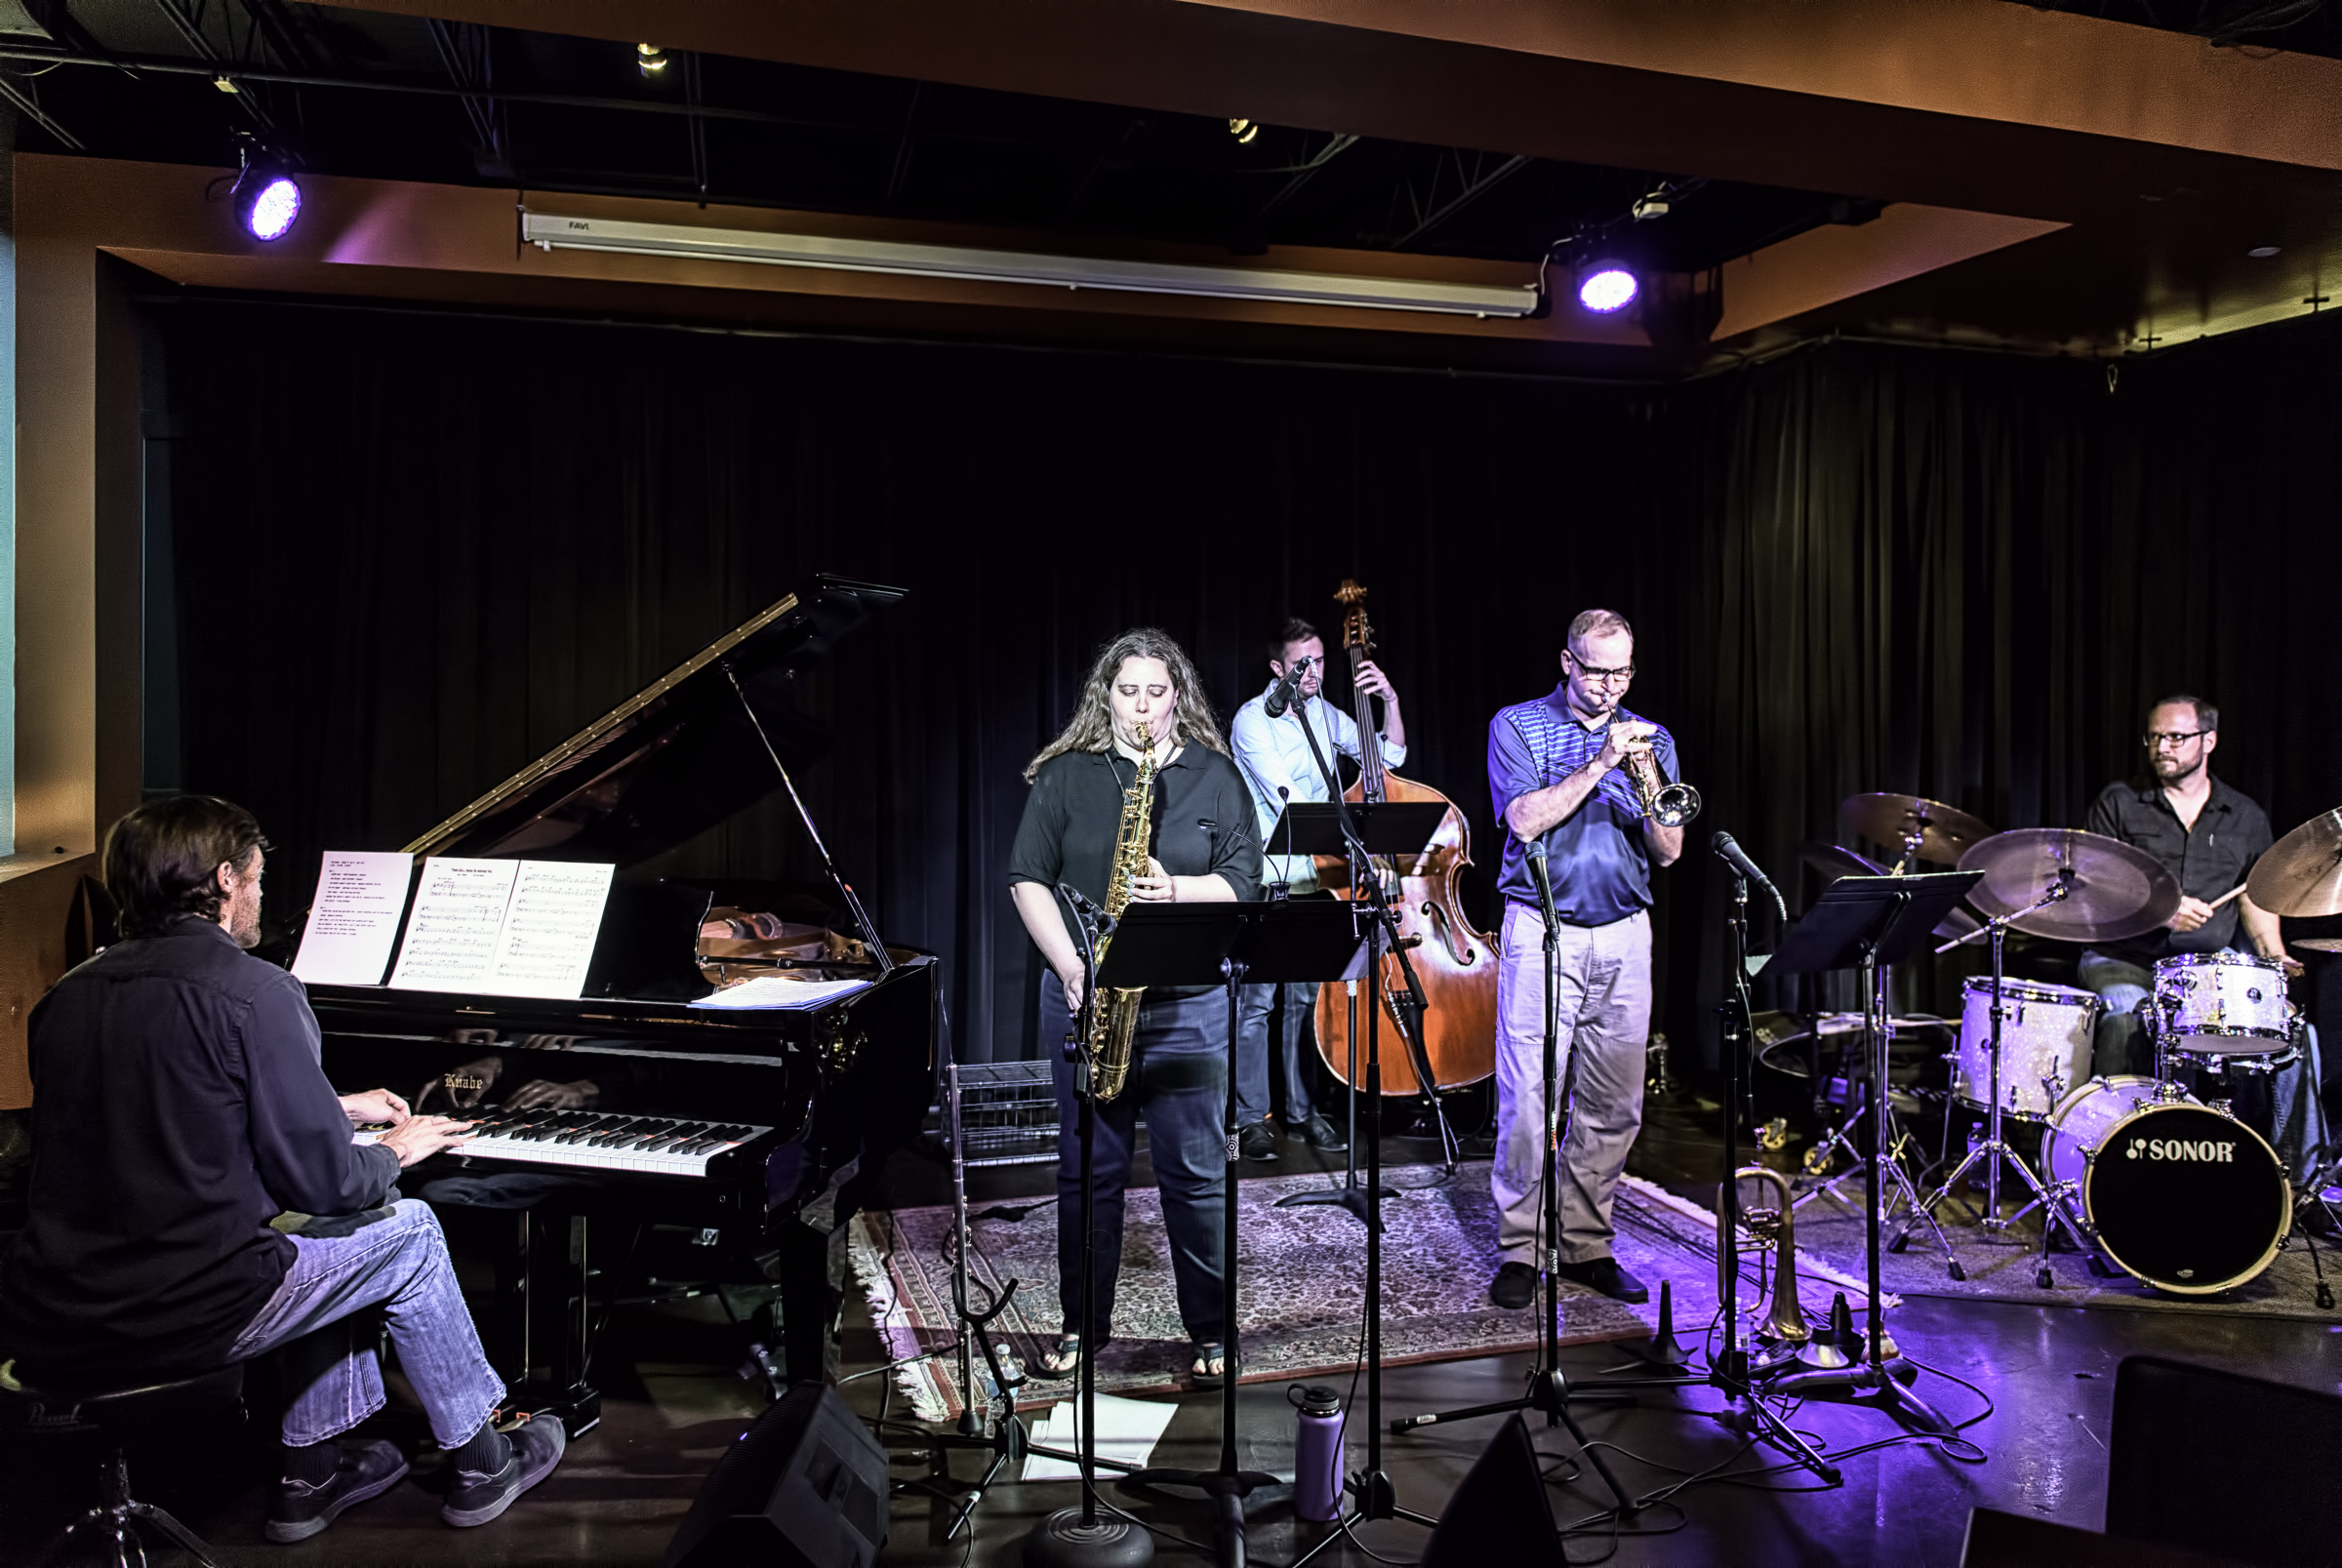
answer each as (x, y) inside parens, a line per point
(120, 1418)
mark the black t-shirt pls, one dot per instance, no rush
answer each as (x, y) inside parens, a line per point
(2231, 833)
(1201, 823)
(178, 1107)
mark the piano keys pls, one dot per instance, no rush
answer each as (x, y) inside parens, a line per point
(761, 1126)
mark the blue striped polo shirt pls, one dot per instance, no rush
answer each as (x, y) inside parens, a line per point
(1600, 868)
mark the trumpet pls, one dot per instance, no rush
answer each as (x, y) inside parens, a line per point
(1668, 805)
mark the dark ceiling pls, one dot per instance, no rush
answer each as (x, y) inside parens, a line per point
(365, 93)
(2302, 26)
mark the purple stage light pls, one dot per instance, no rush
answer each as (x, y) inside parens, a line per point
(1605, 287)
(273, 208)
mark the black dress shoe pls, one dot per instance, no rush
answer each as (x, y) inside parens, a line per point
(1318, 1133)
(1605, 1275)
(1257, 1141)
(1513, 1287)
(300, 1511)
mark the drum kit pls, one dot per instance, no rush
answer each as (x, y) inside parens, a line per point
(2174, 1189)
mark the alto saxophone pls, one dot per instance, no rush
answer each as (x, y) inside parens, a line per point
(1114, 1011)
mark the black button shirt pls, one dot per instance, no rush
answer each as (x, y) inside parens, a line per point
(178, 1107)
(1201, 823)
(2231, 833)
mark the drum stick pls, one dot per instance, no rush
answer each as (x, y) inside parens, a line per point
(2230, 894)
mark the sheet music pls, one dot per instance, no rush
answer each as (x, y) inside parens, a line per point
(354, 920)
(775, 990)
(452, 936)
(550, 929)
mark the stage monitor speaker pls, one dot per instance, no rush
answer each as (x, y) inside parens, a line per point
(805, 1487)
(1501, 1514)
(2225, 1465)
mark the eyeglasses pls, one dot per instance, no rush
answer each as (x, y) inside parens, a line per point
(1621, 674)
(2157, 740)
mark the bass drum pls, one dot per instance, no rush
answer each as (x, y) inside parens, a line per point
(2177, 1194)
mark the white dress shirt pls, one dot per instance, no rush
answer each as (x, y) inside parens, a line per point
(1273, 752)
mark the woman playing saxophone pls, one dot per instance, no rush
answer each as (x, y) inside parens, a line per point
(1142, 709)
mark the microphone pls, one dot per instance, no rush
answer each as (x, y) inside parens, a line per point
(1088, 909)
(1542, 875)
(1281, 698)
(1738, 859)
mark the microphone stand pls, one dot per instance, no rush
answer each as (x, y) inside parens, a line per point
(1079, 1538)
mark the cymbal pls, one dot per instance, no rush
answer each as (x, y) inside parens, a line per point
(1946, 831)
(2301, 873)
(2316, 944)
(2114, 890)
(1835, 860)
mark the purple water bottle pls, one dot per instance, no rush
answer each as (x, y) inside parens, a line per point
(1316, 1452)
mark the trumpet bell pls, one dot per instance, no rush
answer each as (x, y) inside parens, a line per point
(1677, 805)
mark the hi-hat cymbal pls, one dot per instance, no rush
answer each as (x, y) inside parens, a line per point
(2301, 873)
(1945, 831)
(2316, 944)
(2113, 890)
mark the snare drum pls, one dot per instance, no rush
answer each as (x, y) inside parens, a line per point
(2221, 1003)
(2047, 1034)
(2177, 1194)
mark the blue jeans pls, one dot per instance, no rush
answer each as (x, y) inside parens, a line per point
(333, 1381)
(1178, 1080)
(2297, 1115)
(1253, 1008)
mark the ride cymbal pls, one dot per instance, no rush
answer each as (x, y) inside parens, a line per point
(2315, 944)
(2301, 873)
(2113, 890)
(1945, 831)
(1834, 860)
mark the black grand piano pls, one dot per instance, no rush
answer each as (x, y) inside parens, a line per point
(612, 1125)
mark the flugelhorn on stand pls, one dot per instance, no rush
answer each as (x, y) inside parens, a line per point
(1785, 1319)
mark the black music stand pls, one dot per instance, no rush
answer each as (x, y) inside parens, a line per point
(1389, 828)
(1228, 943)
(1870, 924)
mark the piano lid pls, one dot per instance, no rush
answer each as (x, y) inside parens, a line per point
(678, 757)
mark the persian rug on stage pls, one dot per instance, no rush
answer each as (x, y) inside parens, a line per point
(2000, 1267)
(1301, 1284)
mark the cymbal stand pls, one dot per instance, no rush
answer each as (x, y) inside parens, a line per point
(1993, 1152)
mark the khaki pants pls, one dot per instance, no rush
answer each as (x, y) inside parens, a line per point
(1602, 1008)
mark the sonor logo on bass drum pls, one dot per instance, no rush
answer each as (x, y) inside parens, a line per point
(2204, 1150)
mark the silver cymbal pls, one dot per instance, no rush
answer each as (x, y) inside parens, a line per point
(2301, 873)
(2114, 891)
(2315, 944)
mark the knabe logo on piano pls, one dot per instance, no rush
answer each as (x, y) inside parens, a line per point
(2204, 1150)
(458, 1082)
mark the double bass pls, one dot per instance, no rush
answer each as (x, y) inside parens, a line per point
(1453, 962)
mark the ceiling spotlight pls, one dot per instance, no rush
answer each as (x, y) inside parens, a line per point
(2262, 251)
(267, 197)
(651, 58)
(1654, 205)
(1243, 131)
(1606, 285)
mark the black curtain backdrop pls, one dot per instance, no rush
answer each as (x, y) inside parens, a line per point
(414, 551)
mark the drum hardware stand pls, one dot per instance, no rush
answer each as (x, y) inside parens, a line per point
(1994, 1149)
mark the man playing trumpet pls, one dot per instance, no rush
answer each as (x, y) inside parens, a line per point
(1559, 770)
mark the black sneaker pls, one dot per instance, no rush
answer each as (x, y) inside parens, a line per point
(1513, 1287)
(1257, 1141)
(1605, 1275)
(367, 1470)
(536, 1448)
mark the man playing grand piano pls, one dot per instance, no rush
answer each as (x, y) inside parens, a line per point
(198, 1196)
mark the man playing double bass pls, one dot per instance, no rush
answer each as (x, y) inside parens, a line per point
(1279, 768)
(1555, 770)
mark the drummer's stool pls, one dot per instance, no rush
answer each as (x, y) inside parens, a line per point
(2223, 1463)
(122, 1419)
